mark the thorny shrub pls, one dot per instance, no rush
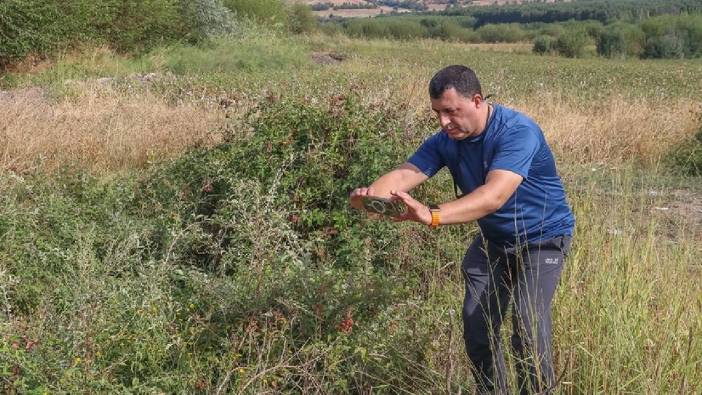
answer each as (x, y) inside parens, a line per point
(246, 253)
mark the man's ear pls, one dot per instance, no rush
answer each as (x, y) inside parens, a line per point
(477, 100)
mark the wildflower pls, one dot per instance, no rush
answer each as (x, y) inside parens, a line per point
(346, 325)
(30, 345)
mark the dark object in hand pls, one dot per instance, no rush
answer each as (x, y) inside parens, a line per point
(379, 205)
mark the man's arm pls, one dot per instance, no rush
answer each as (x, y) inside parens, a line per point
(499, 186)
(403, 178)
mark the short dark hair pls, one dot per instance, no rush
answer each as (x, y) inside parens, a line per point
(458, 77)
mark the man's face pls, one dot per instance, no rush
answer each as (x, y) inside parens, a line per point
(459, 116)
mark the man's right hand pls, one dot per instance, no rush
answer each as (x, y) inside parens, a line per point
(356, 197)
(404, 178)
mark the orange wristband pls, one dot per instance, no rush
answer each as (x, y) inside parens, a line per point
(435, 216)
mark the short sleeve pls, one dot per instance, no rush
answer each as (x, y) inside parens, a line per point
(515, 149)
(428, 158)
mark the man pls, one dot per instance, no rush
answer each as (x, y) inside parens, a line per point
(500, 160)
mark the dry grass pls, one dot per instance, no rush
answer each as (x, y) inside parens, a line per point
(101, 129)
(615, 130)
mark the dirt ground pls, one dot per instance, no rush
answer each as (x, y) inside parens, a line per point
(327, 58)
(682, 204)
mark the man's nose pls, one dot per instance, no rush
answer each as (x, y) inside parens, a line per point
(444, 120)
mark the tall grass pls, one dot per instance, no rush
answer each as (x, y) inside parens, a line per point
(628, 308)
(265, 52)
(615, 130)
(110, 125)
(101, 128)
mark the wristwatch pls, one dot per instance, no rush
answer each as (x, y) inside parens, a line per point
(435, 216)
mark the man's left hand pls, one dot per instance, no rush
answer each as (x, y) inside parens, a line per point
(416, 211)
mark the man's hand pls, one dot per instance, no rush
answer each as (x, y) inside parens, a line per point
(357, 195)
(416, 211)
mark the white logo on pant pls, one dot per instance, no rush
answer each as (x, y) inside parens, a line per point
(551, 261)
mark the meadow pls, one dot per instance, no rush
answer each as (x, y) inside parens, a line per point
(177, 221)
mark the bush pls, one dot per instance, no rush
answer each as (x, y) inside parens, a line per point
(494, 33)
(543, 44)
(621, 39)
(209, 18)
(552, 29)
(669, 46)
(308, 156)
(121, 279)
(270, 12)
(139, 25)
(673, 36)
(398, 28)
(592, 28)
(691, 25)
(571, 43)
(405, 29)
(367, 28)
(331, 28)
(41, 28)
(688, 156)
(450, 31)
(44, 28)
(467, 22)
(301, 19)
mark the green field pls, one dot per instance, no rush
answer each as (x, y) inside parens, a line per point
(188, 231)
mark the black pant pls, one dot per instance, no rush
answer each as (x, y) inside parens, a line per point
(528, 276)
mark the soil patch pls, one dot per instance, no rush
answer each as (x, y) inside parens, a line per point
(144, 79)
(687, 204)
(680, 207)
(32, 95)
(327, 58)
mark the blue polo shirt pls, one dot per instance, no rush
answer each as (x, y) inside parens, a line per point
(538, 209)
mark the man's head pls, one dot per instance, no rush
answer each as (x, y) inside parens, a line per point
(457, 99)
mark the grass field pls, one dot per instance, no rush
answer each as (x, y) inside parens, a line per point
(177, 222)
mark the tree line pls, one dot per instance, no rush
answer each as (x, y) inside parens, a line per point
(605, 11)
(664, 36)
